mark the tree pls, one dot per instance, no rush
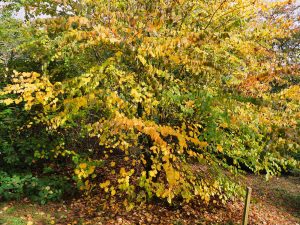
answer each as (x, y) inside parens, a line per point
(150, 96)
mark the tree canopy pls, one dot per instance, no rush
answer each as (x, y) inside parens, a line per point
(151, 98)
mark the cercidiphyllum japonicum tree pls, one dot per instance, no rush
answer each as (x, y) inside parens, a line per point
(145, 95)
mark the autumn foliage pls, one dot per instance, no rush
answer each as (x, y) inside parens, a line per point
(155, 98)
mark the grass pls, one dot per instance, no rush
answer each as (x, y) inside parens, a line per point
(22, 213)
(288, 199)
(283, 192)
(13, 221)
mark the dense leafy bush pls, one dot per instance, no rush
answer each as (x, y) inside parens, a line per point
(42, 190)
(152, 98)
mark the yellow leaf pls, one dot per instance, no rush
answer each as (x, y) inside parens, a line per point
(8, 101)
(203, 144)
(152, 173)
(142, 59)
(105, 184)
(219, 148)
(122, 171)
(133, 162)
(91, 169)
(82, 165)
(113, 192)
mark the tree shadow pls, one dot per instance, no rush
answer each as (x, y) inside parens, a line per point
(281, 192)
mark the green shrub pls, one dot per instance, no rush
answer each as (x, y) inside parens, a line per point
(38, 189)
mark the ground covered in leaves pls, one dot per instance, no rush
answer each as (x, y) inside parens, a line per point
(274, 202)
